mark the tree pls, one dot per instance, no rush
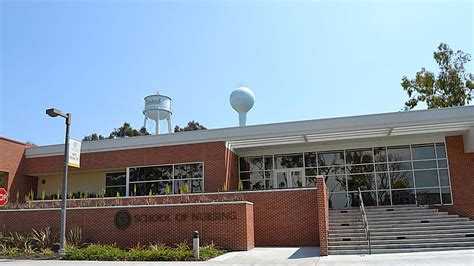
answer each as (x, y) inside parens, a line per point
(93, 136)
(127, 131)
(122, 132)
(451, 87)
(192, 125)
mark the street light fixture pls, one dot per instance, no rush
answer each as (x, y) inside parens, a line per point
(53, 112)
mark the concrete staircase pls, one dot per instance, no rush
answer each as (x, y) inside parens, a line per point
(406, 228)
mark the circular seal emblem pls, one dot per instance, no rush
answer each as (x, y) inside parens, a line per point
(122, 219)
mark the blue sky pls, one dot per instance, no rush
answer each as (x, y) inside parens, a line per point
(303, 59)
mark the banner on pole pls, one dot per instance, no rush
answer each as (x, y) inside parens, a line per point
(74, 153)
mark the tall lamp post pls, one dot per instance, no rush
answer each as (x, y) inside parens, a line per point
(53, 112)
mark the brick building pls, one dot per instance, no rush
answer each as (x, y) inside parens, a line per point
(403, 158)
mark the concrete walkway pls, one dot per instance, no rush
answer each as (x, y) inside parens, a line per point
(271, 256)
(291, 256)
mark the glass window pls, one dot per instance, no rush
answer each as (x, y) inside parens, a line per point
(310, 181)
(115, 184)
(311, 171)
(337, 200)
(362, 181)
(310, 159)
(115, 179)
(401, 153)
(359, 156)
(335, 170)
(244, 176)
(151, 173)
(400, 197)
(440, 151)
(426, 178)
(268, 162)
(364, 168)
(446, 195)
(331, 158)
(159, 180)
(184, 186)
(187, 171)
(269, 183)
(145, 188)
(442, 163)
(423, 152)
(401, 179)
(383, 197)
(115, 191)
(336, 183)
(399, 166)
(443, 177)
(369, 198)
(289, 161)
(251, 163)
(424, 164)
(382, 180)
(428, 196)
(381, 167)
(380, 154)
(387, 175)
(282, 179)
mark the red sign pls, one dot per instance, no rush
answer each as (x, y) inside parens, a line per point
(3, 197)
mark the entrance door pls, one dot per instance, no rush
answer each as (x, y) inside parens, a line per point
(289, 178)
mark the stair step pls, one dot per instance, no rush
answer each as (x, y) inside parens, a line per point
(426, 235)
(392, 217)
(414, 220)
(406, 245)
(403, 226)
(403, 241)
(361, 233)
(384, 213)
(365, 251)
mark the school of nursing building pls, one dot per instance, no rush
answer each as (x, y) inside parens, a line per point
(283, 184)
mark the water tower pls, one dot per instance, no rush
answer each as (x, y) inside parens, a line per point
(157, 108)
(242, 100)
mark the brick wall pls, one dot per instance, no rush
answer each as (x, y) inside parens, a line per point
(219, 162)
(461, 169)
(13, 163)
(323, 215)
(281, 217)
(228, 225)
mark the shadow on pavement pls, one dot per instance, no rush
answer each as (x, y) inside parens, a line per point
(305, 252)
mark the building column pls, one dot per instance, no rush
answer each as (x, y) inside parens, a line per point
(323, 214)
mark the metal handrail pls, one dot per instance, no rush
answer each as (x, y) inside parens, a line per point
(364, 221)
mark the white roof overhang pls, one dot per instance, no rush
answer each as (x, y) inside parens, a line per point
(447, 121)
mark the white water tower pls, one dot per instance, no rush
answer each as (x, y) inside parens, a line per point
(242, 100)
(157, 108)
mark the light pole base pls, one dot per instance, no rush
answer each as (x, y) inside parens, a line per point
(62, 252)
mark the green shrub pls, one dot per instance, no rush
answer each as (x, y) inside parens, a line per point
(17, 240)
(74, 237)
(42, 239)
(95, 252)
(210, 251)
(155, 252)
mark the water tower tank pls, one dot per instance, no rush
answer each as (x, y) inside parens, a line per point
(157, 108)
(242, 100)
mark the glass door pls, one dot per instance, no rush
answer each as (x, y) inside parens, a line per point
(297, 178)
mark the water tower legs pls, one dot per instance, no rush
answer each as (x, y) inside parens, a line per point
(169, 123)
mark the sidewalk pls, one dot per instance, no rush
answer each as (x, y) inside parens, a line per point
(290, 256)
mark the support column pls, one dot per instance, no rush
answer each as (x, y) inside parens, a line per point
(323, 214)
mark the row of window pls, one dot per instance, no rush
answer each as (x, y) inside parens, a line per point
(427, 153)
(422, 196)
(157, 180)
